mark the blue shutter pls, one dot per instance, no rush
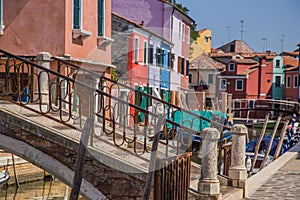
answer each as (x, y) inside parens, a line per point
(100, 17)
(76, 14)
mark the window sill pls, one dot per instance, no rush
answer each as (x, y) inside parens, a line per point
(102, 40)
(1, 29)
(76, 33)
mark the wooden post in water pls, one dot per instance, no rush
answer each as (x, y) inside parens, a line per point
(15, 171)
(259, 142)
(270, 143)
(153, 157)
(78, 175)
(279, 145)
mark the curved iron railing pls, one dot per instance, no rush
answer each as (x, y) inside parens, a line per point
(72, 94)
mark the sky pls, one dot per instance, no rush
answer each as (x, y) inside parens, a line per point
(267, 24)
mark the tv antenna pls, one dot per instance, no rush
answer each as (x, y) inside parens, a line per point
(228, 28)
(242, 28)
(265, 44)
(282, 41)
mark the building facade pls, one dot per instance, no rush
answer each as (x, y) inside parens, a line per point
(202, 44)
(168, 21)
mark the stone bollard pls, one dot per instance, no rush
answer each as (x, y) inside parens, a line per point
(237, 171)
(209, 185)
(44, 61)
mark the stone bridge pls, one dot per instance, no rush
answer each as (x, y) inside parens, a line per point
(49, 149)
(43, 121)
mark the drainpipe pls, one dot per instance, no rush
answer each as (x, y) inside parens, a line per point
(172, 23)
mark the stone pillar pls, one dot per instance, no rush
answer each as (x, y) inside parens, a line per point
(224, 102)
(201, 101)
(209, 185)
(44, 61)
(237, 170)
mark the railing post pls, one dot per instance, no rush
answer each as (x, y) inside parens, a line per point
(237, 170)
(44, 61)
(209, 185)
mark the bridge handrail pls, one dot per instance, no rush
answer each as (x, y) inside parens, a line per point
(87, 87)
(137, 91)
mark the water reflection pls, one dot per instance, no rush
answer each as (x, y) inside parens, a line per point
(38, 190)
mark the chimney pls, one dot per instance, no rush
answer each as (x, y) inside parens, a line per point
(142, 23)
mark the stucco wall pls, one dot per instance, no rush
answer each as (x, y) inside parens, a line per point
(89, 48)
(32, 26)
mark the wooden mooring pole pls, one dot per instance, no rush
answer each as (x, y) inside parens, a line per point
(270, 143)
(259, 142)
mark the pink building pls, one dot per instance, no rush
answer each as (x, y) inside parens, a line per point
(76, 29)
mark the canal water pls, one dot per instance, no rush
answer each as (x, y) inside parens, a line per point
(38, 190)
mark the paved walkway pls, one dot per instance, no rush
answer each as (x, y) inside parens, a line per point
(279, 180)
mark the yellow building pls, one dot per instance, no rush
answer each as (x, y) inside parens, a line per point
(201, 45)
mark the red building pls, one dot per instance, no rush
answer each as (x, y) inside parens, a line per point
(247, 80)
(291, 78)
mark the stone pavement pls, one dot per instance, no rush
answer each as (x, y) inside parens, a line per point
(279, 180)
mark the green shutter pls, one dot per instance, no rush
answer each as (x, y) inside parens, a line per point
(150, 57)
(145, 52)
(76, 14)
(100, 17)
(1, 12)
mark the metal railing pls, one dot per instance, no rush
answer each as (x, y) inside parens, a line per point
(73, 95)
(172, 178)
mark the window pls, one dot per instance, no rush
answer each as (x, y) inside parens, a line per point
(179, 30)
(145, 52)
(151, 52)
(223, 84)
(210, 78)
(206, 39)
(101, 17)
(77, 14)
(251, 103)
(136, 49)
(277, 63)
(295, 83)
(190, 78)
(277, 81)
(232, 48)
(288, 81)
(188, 35)
(239, 85)
(183, 35)
(231, 67)
(159, 57)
